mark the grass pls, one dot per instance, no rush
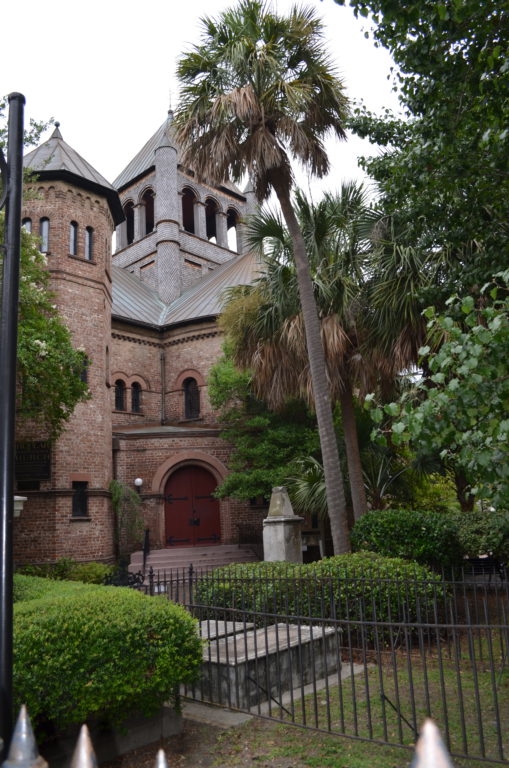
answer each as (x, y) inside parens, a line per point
(463, 675)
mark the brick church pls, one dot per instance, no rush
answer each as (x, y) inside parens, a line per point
(146, 317)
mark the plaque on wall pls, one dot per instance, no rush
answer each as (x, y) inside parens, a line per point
(33, 460)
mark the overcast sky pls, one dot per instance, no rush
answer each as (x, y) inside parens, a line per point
(105, 70)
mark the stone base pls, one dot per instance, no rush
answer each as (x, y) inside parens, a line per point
(248, 668)
(110, 742)
(282, 540)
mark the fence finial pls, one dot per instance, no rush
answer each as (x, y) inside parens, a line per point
(161, 761)
(84, 755)
(23, 752)
(430, 750)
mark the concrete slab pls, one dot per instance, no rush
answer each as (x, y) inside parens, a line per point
(246, 669)
(212, 715)
(211, 629)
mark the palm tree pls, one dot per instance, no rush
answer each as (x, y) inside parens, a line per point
(258, 91)
(265, 322)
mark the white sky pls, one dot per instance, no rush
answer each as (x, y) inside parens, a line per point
(105, 70)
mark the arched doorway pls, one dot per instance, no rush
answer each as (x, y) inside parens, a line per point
(191, 512)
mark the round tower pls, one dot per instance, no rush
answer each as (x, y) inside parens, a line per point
(74, 211)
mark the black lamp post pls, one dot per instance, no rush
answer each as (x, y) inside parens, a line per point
(11, 196)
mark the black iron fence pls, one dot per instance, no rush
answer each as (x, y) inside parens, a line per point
(364, 656)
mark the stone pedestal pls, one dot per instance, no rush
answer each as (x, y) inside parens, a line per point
(282, 540)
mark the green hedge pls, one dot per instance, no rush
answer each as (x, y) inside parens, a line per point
(99, 652)
(70, 570)
(361, 586)
(430, 538)
(34, 588)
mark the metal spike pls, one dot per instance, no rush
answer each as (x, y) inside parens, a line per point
(23, 752)
(430, 750)
(84, 755)
(161, 761)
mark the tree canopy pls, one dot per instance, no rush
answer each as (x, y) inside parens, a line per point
(445, 166)
(461, 412)
(258, 92)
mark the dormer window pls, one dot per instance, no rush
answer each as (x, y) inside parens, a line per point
(73, 238)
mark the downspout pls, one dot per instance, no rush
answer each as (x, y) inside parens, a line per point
(163, 385)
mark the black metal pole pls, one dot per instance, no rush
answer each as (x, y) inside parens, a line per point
(8, 344)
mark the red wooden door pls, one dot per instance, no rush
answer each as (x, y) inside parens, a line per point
(191, 512)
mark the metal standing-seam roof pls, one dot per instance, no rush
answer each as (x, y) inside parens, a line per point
(55, 159)
(133, 300)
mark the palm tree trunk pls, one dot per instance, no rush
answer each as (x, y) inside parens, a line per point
(330, 456)
(353, 455)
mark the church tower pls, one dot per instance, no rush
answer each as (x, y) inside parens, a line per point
(74, 211)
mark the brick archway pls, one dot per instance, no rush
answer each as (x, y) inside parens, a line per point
(200, 458)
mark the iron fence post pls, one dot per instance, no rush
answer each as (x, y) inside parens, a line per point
(8, 345)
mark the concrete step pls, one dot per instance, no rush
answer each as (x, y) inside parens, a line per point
(200, 557)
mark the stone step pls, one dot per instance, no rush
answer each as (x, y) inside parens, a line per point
(199, 557)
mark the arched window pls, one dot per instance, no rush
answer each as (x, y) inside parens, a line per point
(135, 397)
(232, 221)
(27, 225)
(120, 404)
(44, 235)
(191, 399)
(89, 243)
(210, 219)
(129, 222)
(148, 202)
(188, 201)
(73, 238)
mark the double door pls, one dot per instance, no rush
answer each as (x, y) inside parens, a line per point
(191, 512)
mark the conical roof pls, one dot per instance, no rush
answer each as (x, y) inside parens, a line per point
(55, 159)
(144, 160)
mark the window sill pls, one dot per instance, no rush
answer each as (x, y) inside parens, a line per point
(80, 519)
(129, 413)
(81, 258)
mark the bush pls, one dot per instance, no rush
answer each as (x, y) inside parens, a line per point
(68, 569)
(100, 652)
(362, 586)
(35, 588)
(430, 538)
(484, 532)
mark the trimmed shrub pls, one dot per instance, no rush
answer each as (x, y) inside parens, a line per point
(484, 532)
(362, 586)
(35, 588)
(69, 570)
(101, 652)
(430, 538)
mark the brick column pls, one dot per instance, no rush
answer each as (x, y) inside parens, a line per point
(139, 221)
(200, 224)
(221, 230)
